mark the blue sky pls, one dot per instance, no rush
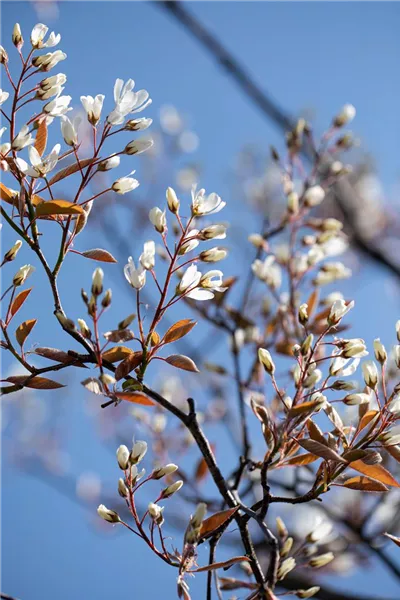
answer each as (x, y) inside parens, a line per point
(313, 56)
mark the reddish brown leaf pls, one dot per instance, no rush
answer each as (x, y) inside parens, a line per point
(117, 353)
(58, 207)
(182, 362)
(312, 301)
(221, 565)
(321, 450)
(19, 300)
(215, 521)
(24, 330)
(375, 472)
(67, 171)
(135, 397)
(58, 356)
(100, 255)
(37, 383)
(119, 335)
(127, 365)
(230, 583)
(7, 195)
(365, 484)
(368, 418)
(315, 433)
(302, 459)
(302, 409)
(178, 331)
(41, 137)
(155, 338)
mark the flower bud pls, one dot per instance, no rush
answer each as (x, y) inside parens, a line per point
(265, 359)
(137, 453)
(97, 282)
(16, 37)
(138, 124)
(126, 322)
(108, 515)
(12, 253)
(338, 310)
(3, 55)
(380, 351)
(321, 560)
(138, 146)
(198, 517)
(346, 115)
(285, 567)
(123, 457)
(158, 219)
(106, 301)
(163, 471)
(354, 399)
(293, 203)
(172, 200)
(306, 345)
(84, 329)
(22, 274)
(303, 314)
(109, 163)
(213, 232)
(313, 196)
(281, 527)
(286, 548)
(122, 489)
(67, 324)
(370, 373)
(213, 254)
(257, 240)
(155, 512)
(341, 384)
(309, 592)
(171, 489)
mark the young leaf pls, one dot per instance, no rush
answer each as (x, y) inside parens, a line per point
(41, 137)
(321, 450)
(24, 330)
(221, 565)
(302, 459)
(7, 195)
(58, 207)
(117, 353)
(100, 255)
(127, 365)
(37, 383)
(135, 397)
(19, 300)
(178, 330)
(365, 484)
(375, 472)
(56, 355)
(368, 418)
(215, 521)
(67, 171)
(302, 409)
(182, 362)
(315, 433)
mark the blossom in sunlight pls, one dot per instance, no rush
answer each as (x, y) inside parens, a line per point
(355, 399)
(38, 34)
(22, 274)
(213, 232)
(138, 124)
(172, 200)
(205, 205)
(213, 254)
(57, 107)
(347, 114)
(46, 62)
(40, 165)
(69, 130)
(138, 146)
(354, 348)
(171, 489)
(265, 358)
(338, 310)
(135, 276)
(156, 513)
(147, 258)
(12, 252)
(380, 351)
(16, 37)
(108, 515)
(123, 185)
(158, 219)
(138, 452)
(314, 195)
(190, 241)
(127, 101)
(268, 271)
(123, 457)
(23, 138)
(370, 373)
(109, 163)
(93, 107)
(200, 287)
(3, 96)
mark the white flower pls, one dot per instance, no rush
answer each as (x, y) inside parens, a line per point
(138, 124)
(13, 251)
(109, 163)
(22, 274)
(22, 139)
(49, 92)
(213, 254)
(285, 567)
(40, 166)
(213, 232)
(380, 351)
(3, 97)
(354, 348)
(138, 146)
(123, 185)
(38, 35)
(97, 282)
(127, 101)
(343, 367)
(54, 80)
(338, 310)
(46, 62)
(93, 107)
(320, 531)
(212, 280)
(123, 457)
(355, 399)
(166, 470)
(321, 560)
(265, 358)
(136, 277)
(205, 205)
(16, 37)
(268, 271)
(158, 219)
(138, 451)
(155, 511)
(346, 115)
(69, 130)
(6, 147)
(190, 285)
(370, 373)
(172, 200)
(108, 515)
(57, 107)
(314, 195)
(190, 242)
(394, 405)
(147, 258)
